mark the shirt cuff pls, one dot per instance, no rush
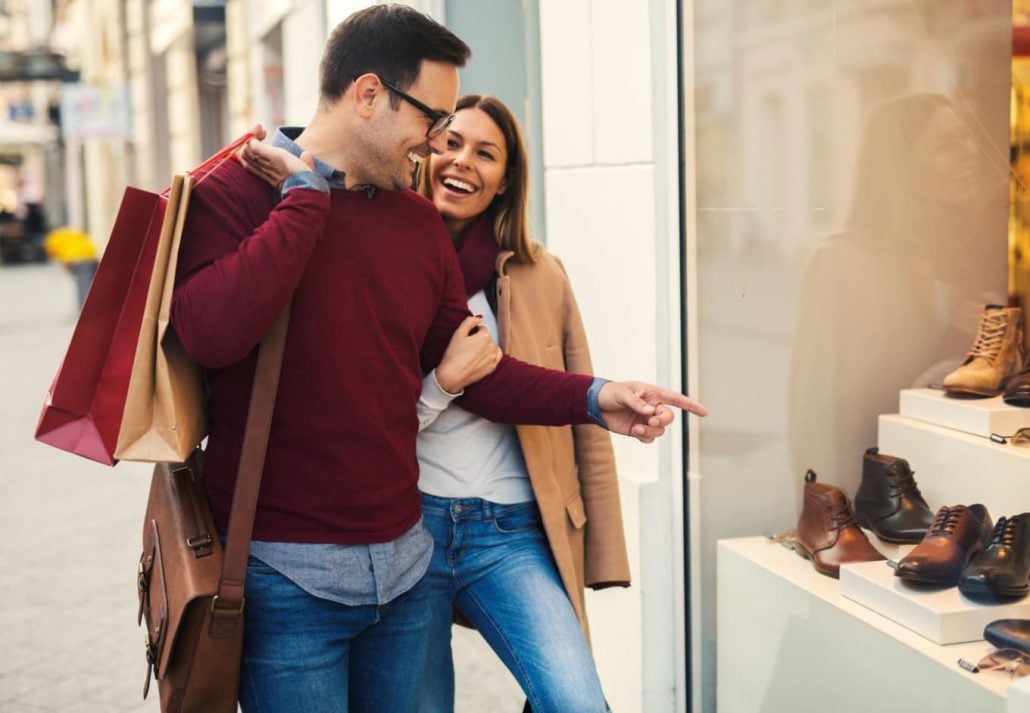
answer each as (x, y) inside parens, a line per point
(305, 179)
(434, 394)
(593, 405)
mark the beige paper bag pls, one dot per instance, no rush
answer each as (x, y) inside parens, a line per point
(164, 416)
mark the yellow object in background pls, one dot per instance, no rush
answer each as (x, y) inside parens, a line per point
(68, 245)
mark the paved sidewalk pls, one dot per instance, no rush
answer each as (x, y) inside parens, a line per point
(69, 542)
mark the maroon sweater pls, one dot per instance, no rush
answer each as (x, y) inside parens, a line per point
(376, 294)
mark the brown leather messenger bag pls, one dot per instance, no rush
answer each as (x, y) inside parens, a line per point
(190, 591)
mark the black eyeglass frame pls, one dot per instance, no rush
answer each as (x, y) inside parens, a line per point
(441, 119)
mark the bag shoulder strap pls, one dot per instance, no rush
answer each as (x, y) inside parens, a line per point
(252, 463)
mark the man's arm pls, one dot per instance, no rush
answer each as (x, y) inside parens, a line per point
(237, 270)
(522, 393)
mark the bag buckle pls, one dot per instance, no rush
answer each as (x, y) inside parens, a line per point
(141, 577)
(149, 649)
(199, 542)
(214, 604)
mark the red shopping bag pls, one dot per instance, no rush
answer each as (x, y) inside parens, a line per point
(83, 410)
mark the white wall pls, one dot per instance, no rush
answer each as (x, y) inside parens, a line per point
(606, 68)
(301, 57)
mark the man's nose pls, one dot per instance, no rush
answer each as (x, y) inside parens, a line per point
(438, 143)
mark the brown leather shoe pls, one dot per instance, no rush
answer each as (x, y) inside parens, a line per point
(956, 534)
(827, 532)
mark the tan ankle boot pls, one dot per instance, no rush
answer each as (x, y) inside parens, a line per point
(827, 532)
(996, 354)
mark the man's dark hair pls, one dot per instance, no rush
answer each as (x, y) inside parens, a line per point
(389, 40)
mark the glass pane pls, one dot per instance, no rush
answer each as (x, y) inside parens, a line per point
(852, 164)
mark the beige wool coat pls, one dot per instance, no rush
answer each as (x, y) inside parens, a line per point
(572, 469)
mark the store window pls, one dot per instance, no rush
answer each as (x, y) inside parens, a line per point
(852, 192)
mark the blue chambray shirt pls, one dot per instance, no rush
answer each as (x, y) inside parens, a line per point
(357, 575)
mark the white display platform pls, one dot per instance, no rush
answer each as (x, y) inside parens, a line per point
(979, 417)
(1019, 696)
(954, 468)
(789, 641)
(890, 550)
(942, 615)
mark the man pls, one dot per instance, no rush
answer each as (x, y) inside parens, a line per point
(334, 614)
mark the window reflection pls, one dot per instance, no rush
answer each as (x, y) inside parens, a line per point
(891, 300)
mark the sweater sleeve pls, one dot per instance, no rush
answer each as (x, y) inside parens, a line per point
(516, 392)
(433, 400)
(239, 264)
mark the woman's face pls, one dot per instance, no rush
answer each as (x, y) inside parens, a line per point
(470, 172)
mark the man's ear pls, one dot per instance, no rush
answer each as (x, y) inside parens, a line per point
(366, 88)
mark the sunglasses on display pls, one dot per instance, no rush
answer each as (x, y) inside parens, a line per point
(1019, 438)
(1012, 661)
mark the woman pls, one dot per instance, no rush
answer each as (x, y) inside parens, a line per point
(523, 518)
(518, 534)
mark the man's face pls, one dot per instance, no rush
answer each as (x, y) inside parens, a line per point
(396, 138)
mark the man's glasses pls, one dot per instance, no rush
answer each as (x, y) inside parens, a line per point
(1019, 438)
(441, 120)
(1012, 661)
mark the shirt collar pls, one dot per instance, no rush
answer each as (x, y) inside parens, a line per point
(285, 138)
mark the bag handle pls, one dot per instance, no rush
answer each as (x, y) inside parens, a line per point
(227, 605)
(217, 159)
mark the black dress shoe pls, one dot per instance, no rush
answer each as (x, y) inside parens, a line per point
(1002, 568)
(1009, 634)
(888, 501)
(1017, 390)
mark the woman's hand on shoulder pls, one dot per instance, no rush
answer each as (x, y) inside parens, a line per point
(273, 164)
(471, 355)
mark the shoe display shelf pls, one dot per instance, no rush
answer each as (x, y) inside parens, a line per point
(977, 417)
(790, 639)
(956, 467)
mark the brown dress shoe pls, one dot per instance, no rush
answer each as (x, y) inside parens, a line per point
(827, 532)
(956, 534)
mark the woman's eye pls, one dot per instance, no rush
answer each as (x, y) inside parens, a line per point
(452, 144)
(487, 155)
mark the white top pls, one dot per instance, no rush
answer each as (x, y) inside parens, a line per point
(461, 455)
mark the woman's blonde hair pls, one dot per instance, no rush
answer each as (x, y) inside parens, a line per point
(510, 209)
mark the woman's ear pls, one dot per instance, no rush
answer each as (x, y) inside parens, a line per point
(503, 187)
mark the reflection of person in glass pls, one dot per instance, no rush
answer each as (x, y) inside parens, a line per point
(888, 301)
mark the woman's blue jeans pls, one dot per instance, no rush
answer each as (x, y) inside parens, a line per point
(493, 563)
(303, 654)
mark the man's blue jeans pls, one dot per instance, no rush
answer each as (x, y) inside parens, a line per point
(493, 563)
(303, 654)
